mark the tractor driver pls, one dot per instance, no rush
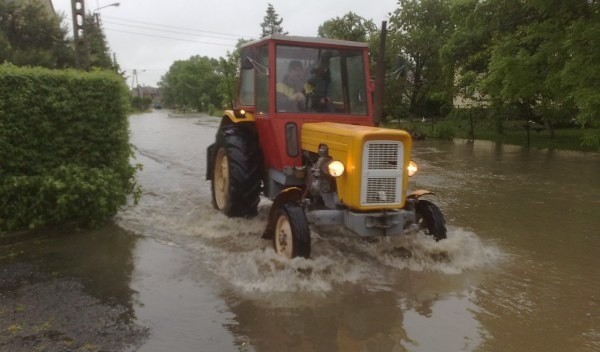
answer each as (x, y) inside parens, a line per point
(290, 91)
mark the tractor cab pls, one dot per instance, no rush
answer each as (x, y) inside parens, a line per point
(302, 134)
(304, 76)
(287, 81)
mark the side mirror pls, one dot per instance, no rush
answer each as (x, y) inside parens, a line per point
(247, 57)
(247, 63)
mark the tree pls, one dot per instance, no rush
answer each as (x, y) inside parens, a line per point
(191, 83)
(97, 45)
(527, 65)
(533, 59)
(29, 36)
(229, 74)
(271, 23)
(418, 31)
(349, 27)
(581, 74)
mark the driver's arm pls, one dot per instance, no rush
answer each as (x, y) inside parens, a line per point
(289, 92)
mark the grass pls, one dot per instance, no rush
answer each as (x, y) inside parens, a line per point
(514, 133)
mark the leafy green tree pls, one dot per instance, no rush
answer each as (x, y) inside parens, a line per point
(349, 27)
(581, 73)
(192, 83)
(141, 103)
(417, 32)
(228, 82)
(29, 36)
(271, 23)
(533, 59)
(99, 54)
(4, 47)
(526, 65)
(229, 74)
(466, 53)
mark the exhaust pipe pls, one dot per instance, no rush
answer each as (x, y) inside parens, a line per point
(380, 77)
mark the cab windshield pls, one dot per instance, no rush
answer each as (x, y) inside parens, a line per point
(317, 80)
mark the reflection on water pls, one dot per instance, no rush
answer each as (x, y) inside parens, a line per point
(70, 291)
(101, 260)
(543, 208)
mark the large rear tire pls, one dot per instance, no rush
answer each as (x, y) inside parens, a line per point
(235, 184)
(430, 219)
(292, 233)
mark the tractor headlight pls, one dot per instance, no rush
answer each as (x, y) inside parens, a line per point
(412, 168)
(335, 168)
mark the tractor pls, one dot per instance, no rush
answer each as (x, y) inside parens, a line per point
(303, 135)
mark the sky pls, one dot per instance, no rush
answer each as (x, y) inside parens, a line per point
(149, 35)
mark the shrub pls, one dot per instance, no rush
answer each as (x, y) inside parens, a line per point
(591, 138)
(64, 147)
(443, 131)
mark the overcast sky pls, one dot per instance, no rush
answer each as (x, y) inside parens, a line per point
(149, 35)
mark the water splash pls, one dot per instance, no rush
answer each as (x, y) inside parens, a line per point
(235, 252)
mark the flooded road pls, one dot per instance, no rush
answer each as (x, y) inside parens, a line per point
(520, 270)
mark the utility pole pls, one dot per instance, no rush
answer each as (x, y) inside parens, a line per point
(134, 80)
(81, 54)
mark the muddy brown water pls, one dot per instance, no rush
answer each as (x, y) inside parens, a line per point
(518, 272)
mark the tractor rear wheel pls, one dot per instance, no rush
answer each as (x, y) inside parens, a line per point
(236, 177)
(292, 234)
(430, 219)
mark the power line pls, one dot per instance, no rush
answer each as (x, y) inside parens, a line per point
(165, 37)
(164, 30)
(236, 36)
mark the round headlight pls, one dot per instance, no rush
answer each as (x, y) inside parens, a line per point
(412, 168)
(335, 168)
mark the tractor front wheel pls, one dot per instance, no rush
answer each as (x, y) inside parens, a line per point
(430, 219)
(292, 233)
(236, 177)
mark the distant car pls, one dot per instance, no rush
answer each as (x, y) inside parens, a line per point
(157, 106)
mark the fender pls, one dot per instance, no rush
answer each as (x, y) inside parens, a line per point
(419, 193)
(230, 118)
(239, 115)
(292, 193)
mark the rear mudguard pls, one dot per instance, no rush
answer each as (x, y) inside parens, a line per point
(228, 121)
(289, 194)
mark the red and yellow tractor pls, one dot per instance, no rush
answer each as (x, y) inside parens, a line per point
(303, 135)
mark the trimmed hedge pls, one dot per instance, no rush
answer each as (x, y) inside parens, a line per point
(64, 147)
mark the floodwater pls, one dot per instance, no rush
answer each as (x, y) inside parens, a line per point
(520, 270)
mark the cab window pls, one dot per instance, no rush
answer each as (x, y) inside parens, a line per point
(317, 80)
(262, 80)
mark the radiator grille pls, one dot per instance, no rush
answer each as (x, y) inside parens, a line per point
(382, 173)
(381, 190)
(383, 156)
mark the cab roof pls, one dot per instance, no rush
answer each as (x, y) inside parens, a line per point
(306, 40)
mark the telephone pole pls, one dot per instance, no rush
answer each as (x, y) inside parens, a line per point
(81, 51)
(135, 82)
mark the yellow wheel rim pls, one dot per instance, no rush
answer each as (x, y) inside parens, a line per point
(221, 178)
(283, 237)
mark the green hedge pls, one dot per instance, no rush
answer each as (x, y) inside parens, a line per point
(64, 147)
